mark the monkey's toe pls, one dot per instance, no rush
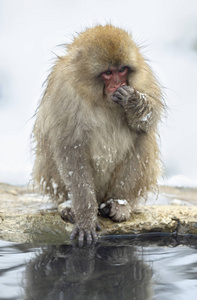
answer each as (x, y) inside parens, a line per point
(67, 215)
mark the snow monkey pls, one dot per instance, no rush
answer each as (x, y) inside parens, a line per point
(96, 130)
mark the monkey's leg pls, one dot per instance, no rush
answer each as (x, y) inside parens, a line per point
(76, 173)
(123, 191)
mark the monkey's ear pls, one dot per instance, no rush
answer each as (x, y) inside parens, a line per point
(76, 54)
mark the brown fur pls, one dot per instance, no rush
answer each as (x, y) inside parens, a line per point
(87, 145)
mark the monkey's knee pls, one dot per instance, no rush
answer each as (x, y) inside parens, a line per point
(117, 210)
(66, 212)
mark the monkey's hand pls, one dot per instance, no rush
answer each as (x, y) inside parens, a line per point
(139, 108)
(79, 232)
(123, 95)
(82, 234)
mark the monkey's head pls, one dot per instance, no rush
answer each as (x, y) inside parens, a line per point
(102, 59)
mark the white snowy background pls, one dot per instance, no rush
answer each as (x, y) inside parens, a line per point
(31, 30)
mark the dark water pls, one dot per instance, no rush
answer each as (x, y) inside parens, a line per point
(120, 269)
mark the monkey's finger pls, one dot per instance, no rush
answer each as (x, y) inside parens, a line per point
(74, 233)
(113, 210)
(88, 237)
(94, 236)
(123, 92)
(126, 88)
(81, 238)
(122, 218)
(81, 235)
(116, 217)
(116, 99)
(117, 94)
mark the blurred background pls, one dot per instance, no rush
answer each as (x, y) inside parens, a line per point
(29, 34)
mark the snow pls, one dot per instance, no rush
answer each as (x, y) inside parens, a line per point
(142, 96)
(63, 205)
(29, 33)
(181, 181)
(146, 117)
(119, 201)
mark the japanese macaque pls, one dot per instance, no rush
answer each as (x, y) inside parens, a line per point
(96, 130)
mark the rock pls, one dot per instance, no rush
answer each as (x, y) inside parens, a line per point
(29, 217)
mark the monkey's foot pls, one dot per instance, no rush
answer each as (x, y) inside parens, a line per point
(66, 212)
(117, 210)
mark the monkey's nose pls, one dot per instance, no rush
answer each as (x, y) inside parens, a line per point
(117, 85)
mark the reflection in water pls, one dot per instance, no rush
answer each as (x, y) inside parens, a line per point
(159, 267)
(97, 272)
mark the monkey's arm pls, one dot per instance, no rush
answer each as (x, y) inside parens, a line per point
(77, 174)
(141, 110)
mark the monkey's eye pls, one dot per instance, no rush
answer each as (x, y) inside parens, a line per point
(122, 69)
(108, 72)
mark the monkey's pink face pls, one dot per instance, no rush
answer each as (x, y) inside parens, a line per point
(113, 78)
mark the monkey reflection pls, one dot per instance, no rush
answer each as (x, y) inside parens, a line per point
(66, 272)
(96, 129)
